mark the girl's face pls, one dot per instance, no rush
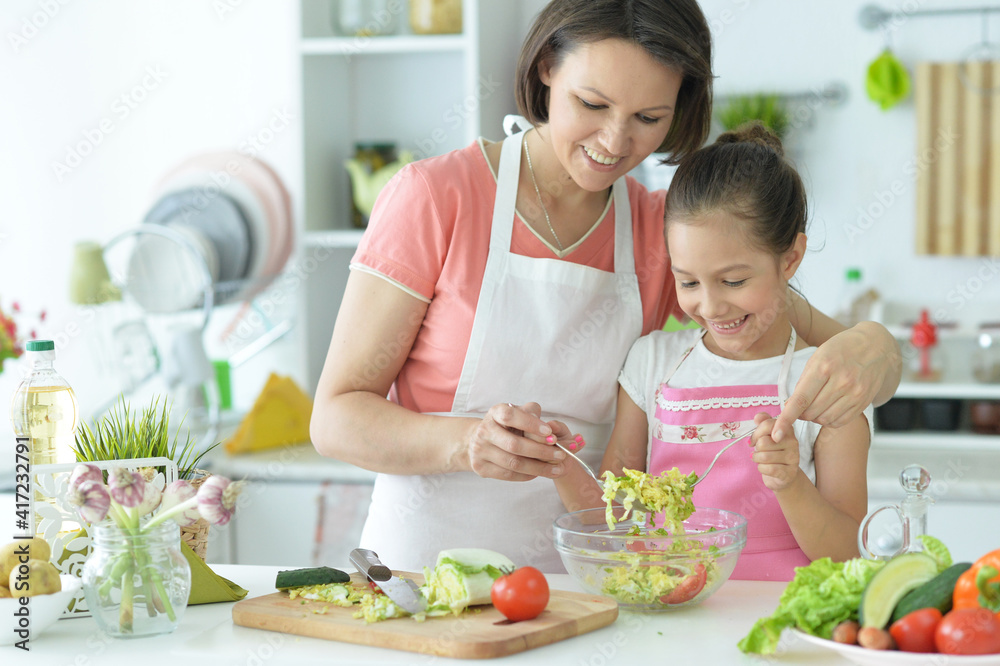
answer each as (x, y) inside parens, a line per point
(610, 107)
(735, 291)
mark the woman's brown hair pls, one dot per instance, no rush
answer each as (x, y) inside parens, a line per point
(674, 32)
(745, 174)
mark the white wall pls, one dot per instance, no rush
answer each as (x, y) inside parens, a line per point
(853, 156)
(132, 88)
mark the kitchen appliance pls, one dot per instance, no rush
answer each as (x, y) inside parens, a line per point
(482, 633)
(218, 231)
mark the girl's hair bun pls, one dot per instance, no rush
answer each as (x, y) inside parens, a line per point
(754, 132)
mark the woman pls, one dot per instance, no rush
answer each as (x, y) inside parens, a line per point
(495, 276)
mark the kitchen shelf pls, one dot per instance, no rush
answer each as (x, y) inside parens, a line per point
(924, 440)
(360, 46)
(341, 238)
(943, 390)
(427, 94)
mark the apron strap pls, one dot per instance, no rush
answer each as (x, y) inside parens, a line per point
(786, 365)
(512, 119)
(506, 197)
(624, 249)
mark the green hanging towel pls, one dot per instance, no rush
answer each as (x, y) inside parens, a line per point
(888, 82)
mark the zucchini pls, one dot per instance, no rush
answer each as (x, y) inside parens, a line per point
(935, 593)
(891, 583)
(309, 576)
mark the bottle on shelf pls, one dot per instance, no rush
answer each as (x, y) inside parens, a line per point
(435, 17)
(367, 18)
(926, 365)
(859, 301)
(44, 409)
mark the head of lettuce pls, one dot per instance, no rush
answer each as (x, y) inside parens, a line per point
(821, 596)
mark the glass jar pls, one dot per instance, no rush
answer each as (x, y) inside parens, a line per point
(986, 359)
(367, 18)
(435, 17)
(137, 582)
(368, 159)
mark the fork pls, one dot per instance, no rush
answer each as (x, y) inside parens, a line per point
(620, 495)
(717, 455)
(700, 478)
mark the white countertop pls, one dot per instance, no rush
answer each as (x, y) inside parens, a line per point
(705, 634)
(298, 462)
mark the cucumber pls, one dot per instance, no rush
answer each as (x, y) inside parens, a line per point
(310, 576)
(891, 583)
(935, 593)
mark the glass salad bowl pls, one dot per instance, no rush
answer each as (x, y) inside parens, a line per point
(644, 568)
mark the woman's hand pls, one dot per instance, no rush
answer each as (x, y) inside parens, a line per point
(777, 462)
(509, 443)
(845, 375)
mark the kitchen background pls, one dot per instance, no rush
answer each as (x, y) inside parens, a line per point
(103, 100)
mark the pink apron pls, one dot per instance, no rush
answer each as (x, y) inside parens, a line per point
(691, 426)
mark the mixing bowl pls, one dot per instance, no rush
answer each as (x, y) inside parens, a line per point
(651, 570)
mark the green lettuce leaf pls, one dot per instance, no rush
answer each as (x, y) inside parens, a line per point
(936, 549)
(819, 597)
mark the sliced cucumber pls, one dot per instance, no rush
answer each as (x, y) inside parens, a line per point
(935, 593)
(892, 582)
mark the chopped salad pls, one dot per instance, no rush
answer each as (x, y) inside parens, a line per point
(668, 494)
(648, 576)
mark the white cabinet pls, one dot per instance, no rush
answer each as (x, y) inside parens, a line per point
(426, 93)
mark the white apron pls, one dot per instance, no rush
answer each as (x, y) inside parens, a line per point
(545, 331)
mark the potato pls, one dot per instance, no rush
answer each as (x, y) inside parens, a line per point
(37, 549)
(4, 592)
(40, 578)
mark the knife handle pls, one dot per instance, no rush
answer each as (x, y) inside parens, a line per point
(368, 563)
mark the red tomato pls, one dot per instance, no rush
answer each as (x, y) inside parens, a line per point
(374, 587)
(688, 588)
(968, 631)
(914, 632)
(521, 594)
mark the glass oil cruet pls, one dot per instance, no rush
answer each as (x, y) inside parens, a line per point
(912, 514)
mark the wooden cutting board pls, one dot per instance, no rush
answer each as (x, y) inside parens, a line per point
(957, 165)
(481, 633)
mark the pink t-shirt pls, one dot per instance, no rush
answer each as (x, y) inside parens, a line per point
(430, 233)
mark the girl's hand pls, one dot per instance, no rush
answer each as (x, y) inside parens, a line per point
(509, 444)
(777, 462)
(841, 379)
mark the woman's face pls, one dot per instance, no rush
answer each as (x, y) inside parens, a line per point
(610, 106)
(735, 291)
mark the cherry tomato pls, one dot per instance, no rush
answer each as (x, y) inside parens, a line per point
(688, 588)
(521, 595)
(374, 586)
(968, 631)
(914, 632)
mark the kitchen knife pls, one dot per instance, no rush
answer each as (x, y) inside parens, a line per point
(404, 593)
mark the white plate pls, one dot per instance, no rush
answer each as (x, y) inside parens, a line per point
(866, 657)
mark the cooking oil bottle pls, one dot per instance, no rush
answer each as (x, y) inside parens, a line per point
(44, 409)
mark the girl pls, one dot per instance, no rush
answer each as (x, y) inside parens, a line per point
(735, 228)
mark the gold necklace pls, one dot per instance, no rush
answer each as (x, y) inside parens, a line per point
(541, 203)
